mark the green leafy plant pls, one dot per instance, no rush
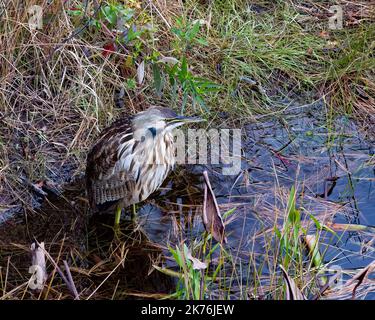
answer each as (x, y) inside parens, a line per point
(116, 14)
(295, 242)
(182, 80)
(121, 18)
(76, 11)
(194, 276)
(187, 34)
(289, 236)
(184, 83)
(189, 285)
(180, 77)
(113, 15)
(130, 84)
(118, 22)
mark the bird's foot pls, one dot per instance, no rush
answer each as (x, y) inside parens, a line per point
(133, 214)
(117, 231)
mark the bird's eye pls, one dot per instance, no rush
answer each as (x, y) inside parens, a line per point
(153, 131)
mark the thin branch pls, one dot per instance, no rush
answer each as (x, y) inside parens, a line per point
(62, 275)
(70, 278)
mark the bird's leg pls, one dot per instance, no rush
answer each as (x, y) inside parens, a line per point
(133, 214)
(118, 216)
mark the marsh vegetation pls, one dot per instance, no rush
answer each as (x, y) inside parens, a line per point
(299, 216)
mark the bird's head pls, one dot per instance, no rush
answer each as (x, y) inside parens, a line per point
(156, 120)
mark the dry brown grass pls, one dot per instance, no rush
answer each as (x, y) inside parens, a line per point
(55, 95)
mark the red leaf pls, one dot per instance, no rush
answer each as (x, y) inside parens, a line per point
(108, 49)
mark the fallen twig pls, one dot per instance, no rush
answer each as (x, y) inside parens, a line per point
(69, 284)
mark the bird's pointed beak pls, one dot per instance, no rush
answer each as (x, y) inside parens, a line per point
(190, 119)
(183, 119)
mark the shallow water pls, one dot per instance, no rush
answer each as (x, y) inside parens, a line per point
(333, 167)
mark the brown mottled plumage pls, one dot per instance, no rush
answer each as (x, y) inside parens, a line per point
(102, 159)
(132, 157)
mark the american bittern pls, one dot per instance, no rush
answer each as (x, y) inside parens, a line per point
(131, 158)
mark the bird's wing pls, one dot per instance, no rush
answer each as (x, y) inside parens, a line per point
(106, 180)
